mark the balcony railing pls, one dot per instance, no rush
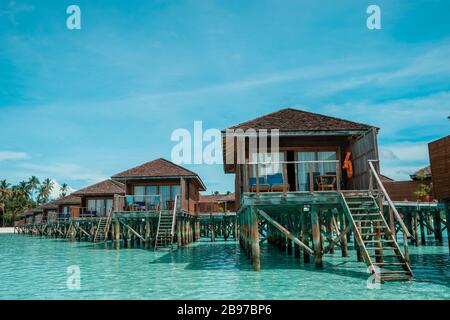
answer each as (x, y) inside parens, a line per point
(135, 203)
(85, 212)
(310, 176)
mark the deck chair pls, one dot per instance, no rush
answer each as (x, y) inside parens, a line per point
(325, 183)
(263, 186)
(315, 174)
(276, 183)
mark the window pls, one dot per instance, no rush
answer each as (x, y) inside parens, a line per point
(318, 168)
(265, 168)
(149, 194)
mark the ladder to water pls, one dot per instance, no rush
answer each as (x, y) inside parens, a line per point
(101, 234)
(379, 248)
(166, 225)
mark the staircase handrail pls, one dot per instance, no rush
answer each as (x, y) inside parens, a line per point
(388, 199)
(172, 231)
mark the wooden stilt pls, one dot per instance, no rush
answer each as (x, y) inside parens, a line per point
(315, 227)
(255, 240)
(305, 234)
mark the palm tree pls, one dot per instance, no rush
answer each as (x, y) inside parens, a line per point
(63, 190)
(45, 190)
(34, 183)
(4, 195)
(25, 189)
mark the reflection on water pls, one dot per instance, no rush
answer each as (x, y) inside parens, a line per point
(36, 268)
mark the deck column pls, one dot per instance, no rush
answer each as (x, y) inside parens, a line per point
(422, 228)
(178, 233)
(305, 234)
(117, 233)
(447, 215)
(254, 233)
(315, 227)
(437, 226)
(343, 225)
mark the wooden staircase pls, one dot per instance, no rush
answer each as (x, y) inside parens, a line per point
(376, 241)
(101, 233)
(166, 227)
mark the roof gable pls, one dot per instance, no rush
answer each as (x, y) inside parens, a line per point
(290, 119)
(156, 168)
(104, 187)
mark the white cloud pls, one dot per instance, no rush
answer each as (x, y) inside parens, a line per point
(11, 155)
(57, 190)
(406, 152)
(62, 171)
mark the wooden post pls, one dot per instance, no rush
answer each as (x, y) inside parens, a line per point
(437, 226)
(447, 216)
(305, 234)
(147, 233)
(213, 235)
(315, 227)
(255, 240)
(422, 228)
(179, 233)
(343, 225)
(330, 231)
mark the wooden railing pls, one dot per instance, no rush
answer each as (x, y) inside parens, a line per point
(317, 180)
(174, 217)
(136, 203)
(85, 212)
(375, 185)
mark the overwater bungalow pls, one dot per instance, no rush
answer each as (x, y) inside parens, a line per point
(155, 185)
(320, 182)
(97, 200)
(155, 202)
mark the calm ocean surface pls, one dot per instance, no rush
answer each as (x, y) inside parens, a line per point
(36, 268)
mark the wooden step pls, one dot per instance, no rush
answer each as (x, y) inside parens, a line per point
(381, 248)
(374, 220)
(389, 263)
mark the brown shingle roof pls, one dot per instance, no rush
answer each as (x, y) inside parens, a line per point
(69, 199)
(217, 197)
(290, 119)
(159, 168)
(156, 168)
(105, 187)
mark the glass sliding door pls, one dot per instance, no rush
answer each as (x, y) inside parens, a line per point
(303, 170)
(175, 190)
(327, 168)
(151, 199)
(164, 192)
(324, 165)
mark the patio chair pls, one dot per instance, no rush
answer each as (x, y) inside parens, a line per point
(263, 186)
(276, 183)
(326, 183)
(315, 174)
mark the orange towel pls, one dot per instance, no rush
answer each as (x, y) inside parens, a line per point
(348, 166)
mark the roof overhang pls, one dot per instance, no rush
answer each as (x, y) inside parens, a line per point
(300, 133)
(142, 178)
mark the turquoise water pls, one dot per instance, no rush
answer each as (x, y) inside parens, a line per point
(36, 268)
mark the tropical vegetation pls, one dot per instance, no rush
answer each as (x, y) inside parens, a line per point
(23, 196)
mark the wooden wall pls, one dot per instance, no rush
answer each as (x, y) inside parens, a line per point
(402, 190)
(439, 152)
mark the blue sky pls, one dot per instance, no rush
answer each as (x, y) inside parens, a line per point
(78, 106)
